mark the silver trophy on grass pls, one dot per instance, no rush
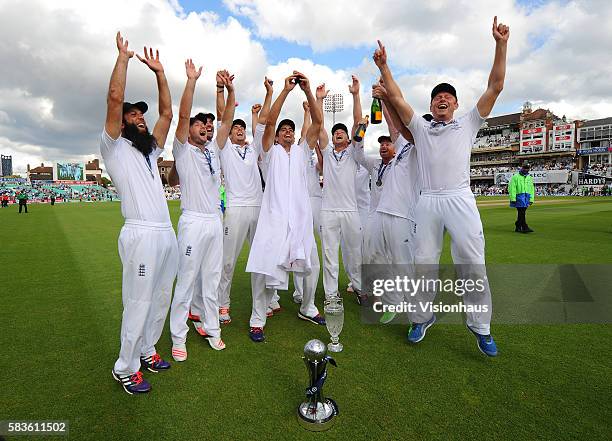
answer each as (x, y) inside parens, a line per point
(334, 320)
(317, 412)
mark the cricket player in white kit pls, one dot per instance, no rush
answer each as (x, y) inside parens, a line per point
(147, 243)
(378, 168)
(239, 161)
(284, 241)
(200, 232)
(340, 219)
(196, 310)
(446, 203)
(313, 173)
(391, 237)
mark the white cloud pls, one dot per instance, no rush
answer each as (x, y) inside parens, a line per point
(558, 51)
(58, 56)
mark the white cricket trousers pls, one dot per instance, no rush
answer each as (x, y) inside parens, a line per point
(363, 220)
(240, 223)
(310, 282)
(261, 299)
(337, 226)
(389, 239)
(200, 244)
(392, 241)
(456, 212)
(149, 255)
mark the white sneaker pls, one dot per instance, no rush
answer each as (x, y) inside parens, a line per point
(216, 343)
(297, 298)
(179, 352)
(269, 312)
(276, 307)
(349, 287)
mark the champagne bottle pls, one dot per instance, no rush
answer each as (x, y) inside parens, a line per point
(376, 111)
(360, 132)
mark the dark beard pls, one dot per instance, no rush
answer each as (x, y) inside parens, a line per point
(145, 143)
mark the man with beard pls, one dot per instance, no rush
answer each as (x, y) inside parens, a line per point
(147, 243)
(339, 216)
(243, 189)
(200, 234)
(446, 202)
(284, 240)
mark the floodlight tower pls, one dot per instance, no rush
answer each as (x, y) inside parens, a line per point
(333, 103)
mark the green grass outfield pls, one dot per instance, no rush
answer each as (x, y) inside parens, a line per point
(60, 310)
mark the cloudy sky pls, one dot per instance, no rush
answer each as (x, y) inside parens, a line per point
(57, 58)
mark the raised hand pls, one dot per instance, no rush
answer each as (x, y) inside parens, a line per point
(304, 82)
(501, 32)
(227, 80)
(123, 46)
(226, 73)
(321, 92)
(306, 106)
(379, 91)
(354, 86)
(256, 108)
(192, 72)
(380, 55)
(219, 79)
(290, 82)
(153, 62)
(268, 84)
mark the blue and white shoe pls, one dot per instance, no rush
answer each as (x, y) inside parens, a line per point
(133, 384)
(317, 319)
(417, 331)
(486, 344)
(257, 334)
(154, 363)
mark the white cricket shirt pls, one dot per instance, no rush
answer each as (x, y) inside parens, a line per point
(400, 192)
(136, 180)
(444, 150)
(199, 172)
(339, 170)
(241, 173)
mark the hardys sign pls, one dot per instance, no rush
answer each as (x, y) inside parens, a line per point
(588, 179)
(539, 177)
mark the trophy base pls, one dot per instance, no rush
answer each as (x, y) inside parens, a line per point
(317, 419)
(335, 347)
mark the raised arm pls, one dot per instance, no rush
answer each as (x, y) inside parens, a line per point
(182, 128)
(220, 101)
(391, 117)
(485, 104)
(255, 109)
(268, 136)
(306, 124)
(316, 115)
(319, 157)
(228, 113)
(321, 93)
(162, 126)
(357, 110)
(265, 109)
(396, 98)
(116, 89)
